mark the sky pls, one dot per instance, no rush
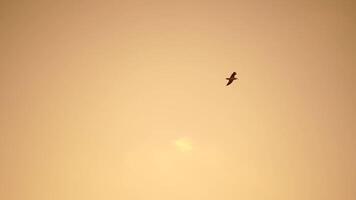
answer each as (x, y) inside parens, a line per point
(127, 100)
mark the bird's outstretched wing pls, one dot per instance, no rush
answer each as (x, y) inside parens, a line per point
(233, 75)
(230, 81)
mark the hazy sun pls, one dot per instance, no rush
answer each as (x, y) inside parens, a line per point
(183, 144)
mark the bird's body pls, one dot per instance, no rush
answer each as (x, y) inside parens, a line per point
(231, 78)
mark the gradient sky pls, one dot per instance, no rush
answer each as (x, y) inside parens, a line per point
(127, 100)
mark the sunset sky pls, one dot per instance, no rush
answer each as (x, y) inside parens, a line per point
(126, 100)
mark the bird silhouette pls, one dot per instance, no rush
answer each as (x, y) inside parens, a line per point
(231, 78)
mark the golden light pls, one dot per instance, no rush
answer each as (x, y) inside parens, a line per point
(183, 144)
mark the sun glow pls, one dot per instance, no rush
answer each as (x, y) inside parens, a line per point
(183, 144)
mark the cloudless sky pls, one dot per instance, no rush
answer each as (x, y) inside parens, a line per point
(127, 100)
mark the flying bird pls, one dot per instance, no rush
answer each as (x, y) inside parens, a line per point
(231, 78)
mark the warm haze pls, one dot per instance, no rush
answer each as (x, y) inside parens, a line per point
(126, 100)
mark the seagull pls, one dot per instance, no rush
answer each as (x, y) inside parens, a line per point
(231, 78)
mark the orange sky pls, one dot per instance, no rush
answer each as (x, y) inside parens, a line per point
(127, 100)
